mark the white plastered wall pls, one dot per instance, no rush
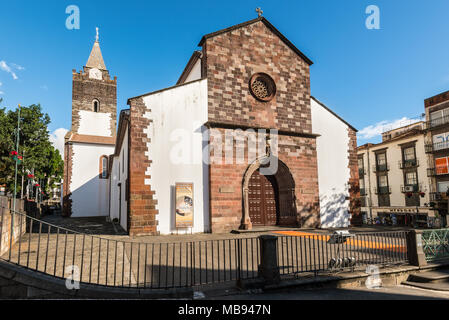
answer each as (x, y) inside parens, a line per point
(90, 194)
(333, 170)
(119, 175)
(175, 149)
(95, 123)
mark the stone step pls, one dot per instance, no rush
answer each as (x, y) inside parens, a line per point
(438, 286)
(437, 276)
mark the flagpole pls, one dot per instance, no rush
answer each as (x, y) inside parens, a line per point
(15, 179)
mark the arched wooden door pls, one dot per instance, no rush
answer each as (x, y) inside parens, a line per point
(262, 198)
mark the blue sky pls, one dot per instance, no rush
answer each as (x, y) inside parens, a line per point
(372, 78)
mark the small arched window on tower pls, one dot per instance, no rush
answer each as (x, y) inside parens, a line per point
(96, 105)
(103, 167)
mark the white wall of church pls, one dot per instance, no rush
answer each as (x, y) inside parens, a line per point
(90, 194)
(195, 73)
(175, 148)
(95, 123)
(333, 170)
(119, 175)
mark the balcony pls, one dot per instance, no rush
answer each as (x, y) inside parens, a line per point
(435, 123)
(438, 171)
(411, 188)
(438, 196)
(381, 168)
(382, 190)
(433, 147)
(413, 163)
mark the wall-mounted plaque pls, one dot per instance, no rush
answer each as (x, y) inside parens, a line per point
(184, 205)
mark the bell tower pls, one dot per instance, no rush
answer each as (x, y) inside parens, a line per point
(91, 138)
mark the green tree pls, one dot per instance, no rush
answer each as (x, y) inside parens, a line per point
(39, 155)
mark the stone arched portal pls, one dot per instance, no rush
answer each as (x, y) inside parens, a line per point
(284, 187)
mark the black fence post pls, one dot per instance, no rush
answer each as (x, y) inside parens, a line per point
(415, 252)
(268, 268)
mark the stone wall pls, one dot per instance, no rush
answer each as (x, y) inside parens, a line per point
(226, 193)
(354, 182)
(6, 219)
(230, 59)
(141, 205)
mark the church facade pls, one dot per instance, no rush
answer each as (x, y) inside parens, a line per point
(241, 128)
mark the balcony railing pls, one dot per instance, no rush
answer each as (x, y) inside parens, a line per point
(437, 171)
(408, 163)
(437, 196)
(432, 124)
(382, 190)
(381, 168)
(433, 147)
(411, 188)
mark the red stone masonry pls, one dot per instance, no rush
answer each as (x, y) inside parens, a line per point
(354, 182)
(229, 60)
(68, 160)
(141, 205)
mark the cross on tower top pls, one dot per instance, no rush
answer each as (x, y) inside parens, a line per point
(259, 12)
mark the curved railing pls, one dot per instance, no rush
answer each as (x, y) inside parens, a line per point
(108, 261)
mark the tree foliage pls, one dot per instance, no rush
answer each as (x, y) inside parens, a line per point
(39, 155)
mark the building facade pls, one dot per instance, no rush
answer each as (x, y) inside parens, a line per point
(394, 185)
(437, 149)
(242, 128)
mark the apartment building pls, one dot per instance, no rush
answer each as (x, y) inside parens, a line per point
(437, 149)
(394, 183)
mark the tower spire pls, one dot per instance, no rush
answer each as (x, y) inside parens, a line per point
(96, 58)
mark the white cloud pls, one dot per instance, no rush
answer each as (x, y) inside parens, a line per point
(1, 92)
(57, 139)
(5, 67)
(382, 126)
(18, 67)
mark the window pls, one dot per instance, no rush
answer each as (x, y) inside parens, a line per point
(360, 162)
(103, 167)
(443, 186)
(96, 105)
(381, 159)
(409, 153)
(383, 181)
(411, 178)
(439, 117)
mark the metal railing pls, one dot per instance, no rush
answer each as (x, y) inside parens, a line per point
(381, 167)
(382, 190)
(433, 147)
(436, 244)
(99, 260)
(318, 253)
(437, 122)
(404, 164)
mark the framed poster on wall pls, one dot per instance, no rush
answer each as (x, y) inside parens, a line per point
(184, 205)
